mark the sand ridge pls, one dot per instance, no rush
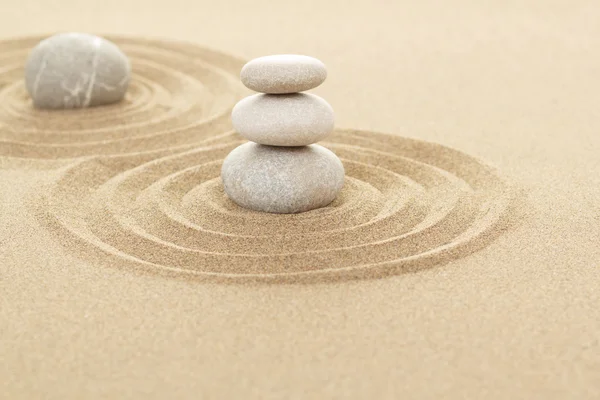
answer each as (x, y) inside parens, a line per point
(180, 94)
(406, 205)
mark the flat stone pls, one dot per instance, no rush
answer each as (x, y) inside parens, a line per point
(295, 119)
(75, 70)
(282, 180)
(284, 73)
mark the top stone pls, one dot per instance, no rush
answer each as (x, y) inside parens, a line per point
(281, 74)
(75, 70)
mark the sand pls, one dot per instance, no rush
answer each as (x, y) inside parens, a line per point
(461, 260)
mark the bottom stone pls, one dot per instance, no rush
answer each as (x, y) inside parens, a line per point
(282, 180)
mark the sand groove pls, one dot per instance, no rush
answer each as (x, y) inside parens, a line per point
(406, 205)
(180, 95)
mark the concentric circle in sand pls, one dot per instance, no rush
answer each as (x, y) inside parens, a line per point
(406, 205)
(179, 95)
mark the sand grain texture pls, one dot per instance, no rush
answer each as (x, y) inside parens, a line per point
(460, 261)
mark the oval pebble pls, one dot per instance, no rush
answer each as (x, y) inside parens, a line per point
(297, 119)
(284, 73)
(282, 180)
(76, 70)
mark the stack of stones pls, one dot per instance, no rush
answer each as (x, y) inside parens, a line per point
(281, 170)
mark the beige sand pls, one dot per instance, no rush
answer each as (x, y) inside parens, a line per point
(461, 260)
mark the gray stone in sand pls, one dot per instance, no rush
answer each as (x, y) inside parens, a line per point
(75, 70)
(282, 179)
(286, 73)
(295, 119)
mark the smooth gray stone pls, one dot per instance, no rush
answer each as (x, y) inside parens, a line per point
(75, 70)
(286, 73)
(282, 180)
(295, 119)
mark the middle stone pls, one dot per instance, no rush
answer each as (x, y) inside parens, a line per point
(296, 119)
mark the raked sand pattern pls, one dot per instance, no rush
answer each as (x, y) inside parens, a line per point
(180, 95)
(406, 205)
(144, 186)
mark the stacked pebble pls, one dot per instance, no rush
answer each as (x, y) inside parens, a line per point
(281, 170)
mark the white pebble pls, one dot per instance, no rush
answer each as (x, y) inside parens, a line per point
(282, 179)
(295, 119)
(283, 74)
(75, 70)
